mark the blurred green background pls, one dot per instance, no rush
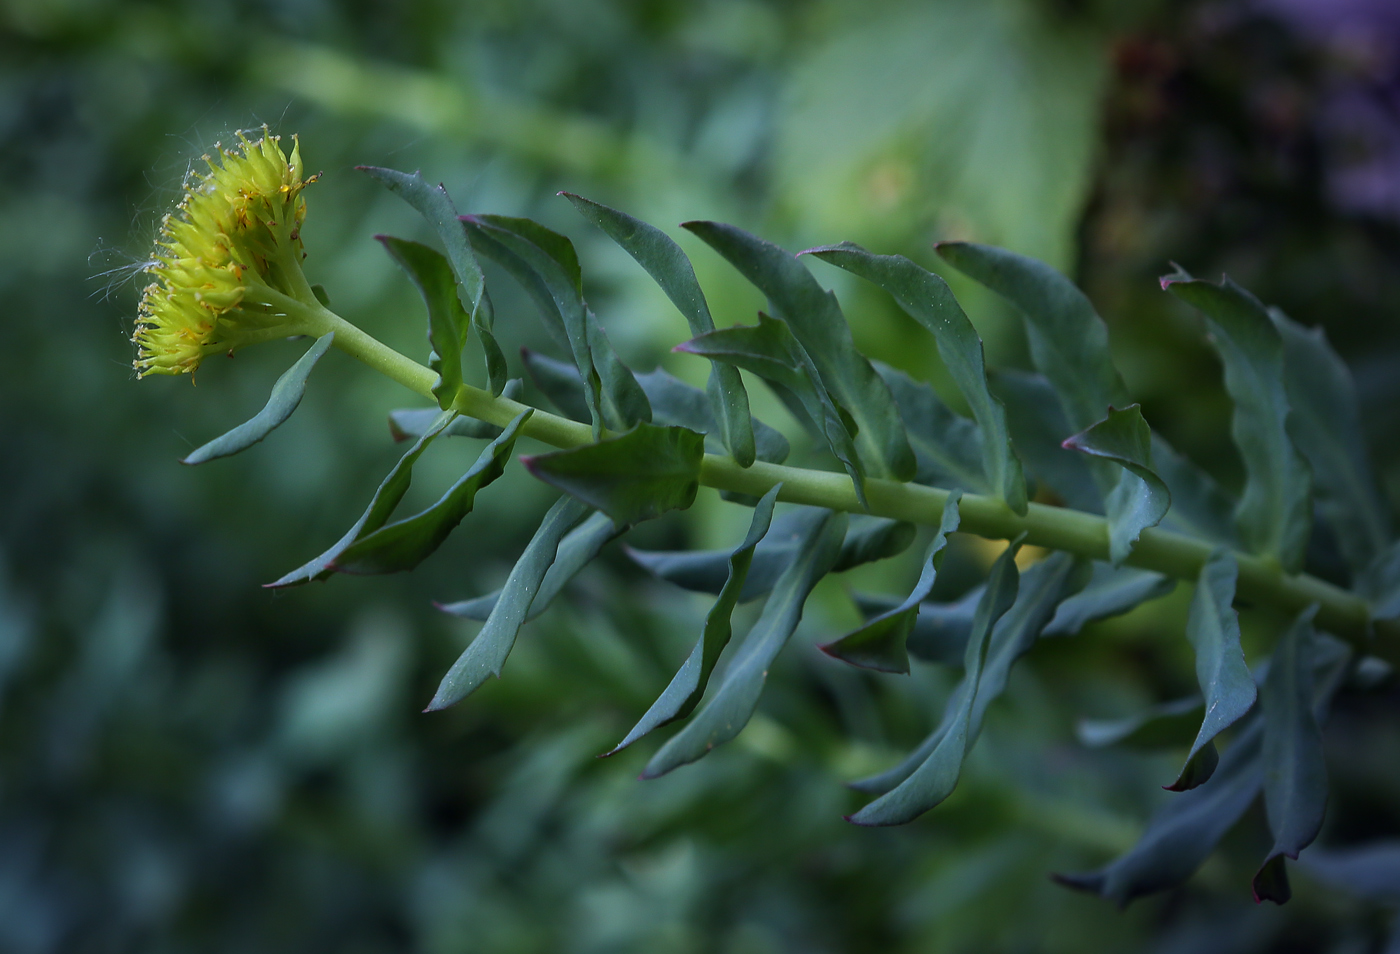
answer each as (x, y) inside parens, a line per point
(191, 763)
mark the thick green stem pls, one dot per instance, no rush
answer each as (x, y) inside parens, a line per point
(1260, 581)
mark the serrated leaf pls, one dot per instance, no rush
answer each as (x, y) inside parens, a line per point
(414, 422)
(286, 394)
(1068, 339)
(447, 320)
(1069, 346)
(1038, 429)
(404, 544)
(818, 324)
(929, 301)
(1111, 591)
(386, 497)
(770, 350)
(675, 402)
(1213, 628)
(736, 698)
(1183, 833)
(546, 266)
(575, 552)
(880, 644)
(1167, 725)
(669, 266)
(1040, 588)
(435, 205)
(488, 651)
(933, 778)
(632, 477)
(1326, 425)
(947, 446)
(1295, 771)
(1275, 513)
(867, 539)
(1124, 438)
(683, 693)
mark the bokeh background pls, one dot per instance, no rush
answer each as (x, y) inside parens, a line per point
(191, 763)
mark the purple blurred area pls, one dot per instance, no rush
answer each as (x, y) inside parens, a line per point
(1358, 115)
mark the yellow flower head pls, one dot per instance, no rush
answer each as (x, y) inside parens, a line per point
(227, 264)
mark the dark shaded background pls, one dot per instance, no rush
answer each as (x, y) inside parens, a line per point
(188, 762)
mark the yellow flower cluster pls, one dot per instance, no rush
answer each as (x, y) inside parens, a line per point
(228, 260)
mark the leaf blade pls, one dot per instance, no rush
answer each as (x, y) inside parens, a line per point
(928, 300)
(487, 653)
(632, 477)
(737, 697)
(1275, 512)
(447, 320)
(404, 544)
(818, 324)
(286, 394)
(1140, 499)
(670, 268)
(1295, 771)
(685, 689)
(880, 644)
(1213, 628)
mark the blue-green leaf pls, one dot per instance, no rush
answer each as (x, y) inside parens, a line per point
(817, 322)
(1168, 725)
(488, 651)
(1183, 833)
(381, 505)
(1326, 424)
(546, 266)
(668, 265)
(1038, 429)
(1111, 591)
(1135, 504)
(1068, 339)
(947, 446)
(404, 544)
(930, 302)
(434, 204)
(770, 350)
(1295, 772)
(1275, 512)
(867, 539)
(633, 477)
(1042, 586)
(1069, 345)
(684, 691)
(447, 321)
(575, 552)
(933, 779)
(286, 395)
(414, 422)
(736, 698)
(1200, 507)
(675, 402)
(1214, 630)
(880, 643)
(560, 383)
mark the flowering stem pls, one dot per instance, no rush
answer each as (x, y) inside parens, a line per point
(1261, 581)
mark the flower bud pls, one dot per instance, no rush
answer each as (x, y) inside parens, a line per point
(227, 263)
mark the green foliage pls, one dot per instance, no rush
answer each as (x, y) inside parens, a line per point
(170, 735)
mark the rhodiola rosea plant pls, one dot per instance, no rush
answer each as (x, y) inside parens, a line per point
(1131, 515)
